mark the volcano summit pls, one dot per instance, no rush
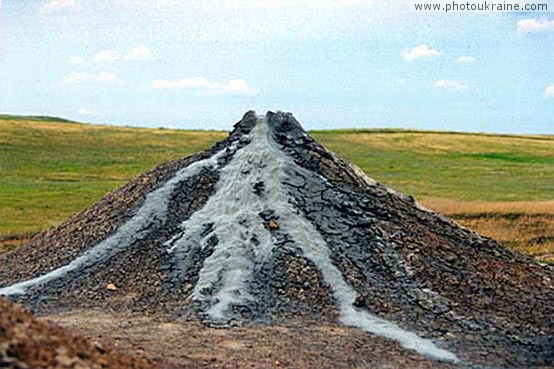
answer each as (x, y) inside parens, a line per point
(269, 227)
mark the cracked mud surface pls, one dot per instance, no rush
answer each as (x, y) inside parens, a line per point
(418, 270)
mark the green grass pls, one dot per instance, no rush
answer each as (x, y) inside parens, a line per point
(51, 168)
(459, 166)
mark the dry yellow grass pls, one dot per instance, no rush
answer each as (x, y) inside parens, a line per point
(524, 226)
(453, 207)
(442, 142)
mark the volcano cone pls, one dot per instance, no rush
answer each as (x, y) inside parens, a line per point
(269, 226)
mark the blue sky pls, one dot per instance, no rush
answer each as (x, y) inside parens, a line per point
(341, 63)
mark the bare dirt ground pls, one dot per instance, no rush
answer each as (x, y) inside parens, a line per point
(27, 343)
(191, 345)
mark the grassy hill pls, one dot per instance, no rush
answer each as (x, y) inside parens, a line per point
(503, 185)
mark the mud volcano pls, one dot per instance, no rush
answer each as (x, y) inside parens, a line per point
(268, 227)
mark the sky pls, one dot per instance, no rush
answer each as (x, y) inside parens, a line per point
(200, 64)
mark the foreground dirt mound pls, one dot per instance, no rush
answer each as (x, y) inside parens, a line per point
(269, 227)
(26, 342)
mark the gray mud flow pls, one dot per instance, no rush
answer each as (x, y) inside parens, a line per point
(269, 226)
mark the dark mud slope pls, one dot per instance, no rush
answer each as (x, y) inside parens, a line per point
(269, 226)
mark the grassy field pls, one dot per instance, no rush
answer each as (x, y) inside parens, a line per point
(470, 167)
(501, 185)
(50, 170)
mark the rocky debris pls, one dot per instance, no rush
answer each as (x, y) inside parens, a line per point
(294, 233)
(272, 225)
(26, 342)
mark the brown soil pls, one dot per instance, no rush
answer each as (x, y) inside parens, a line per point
(189, 344)
(26, 342)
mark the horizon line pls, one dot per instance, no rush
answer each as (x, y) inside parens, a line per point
(368, 129)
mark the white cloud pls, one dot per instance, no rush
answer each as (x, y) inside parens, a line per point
(75, 60)
(549, 92)
(106, 56)
(141, 52)
(86, 112)
(107, 77)
(451, 85)
(60, 6)
(233, 87)
(531, 25)
(421, 51)
(465, 59)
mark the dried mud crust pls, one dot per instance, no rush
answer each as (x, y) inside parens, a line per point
(188, 344)
(415, 268)
(142, 273)
(419, 269)
(26, 342)
(59, 245)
